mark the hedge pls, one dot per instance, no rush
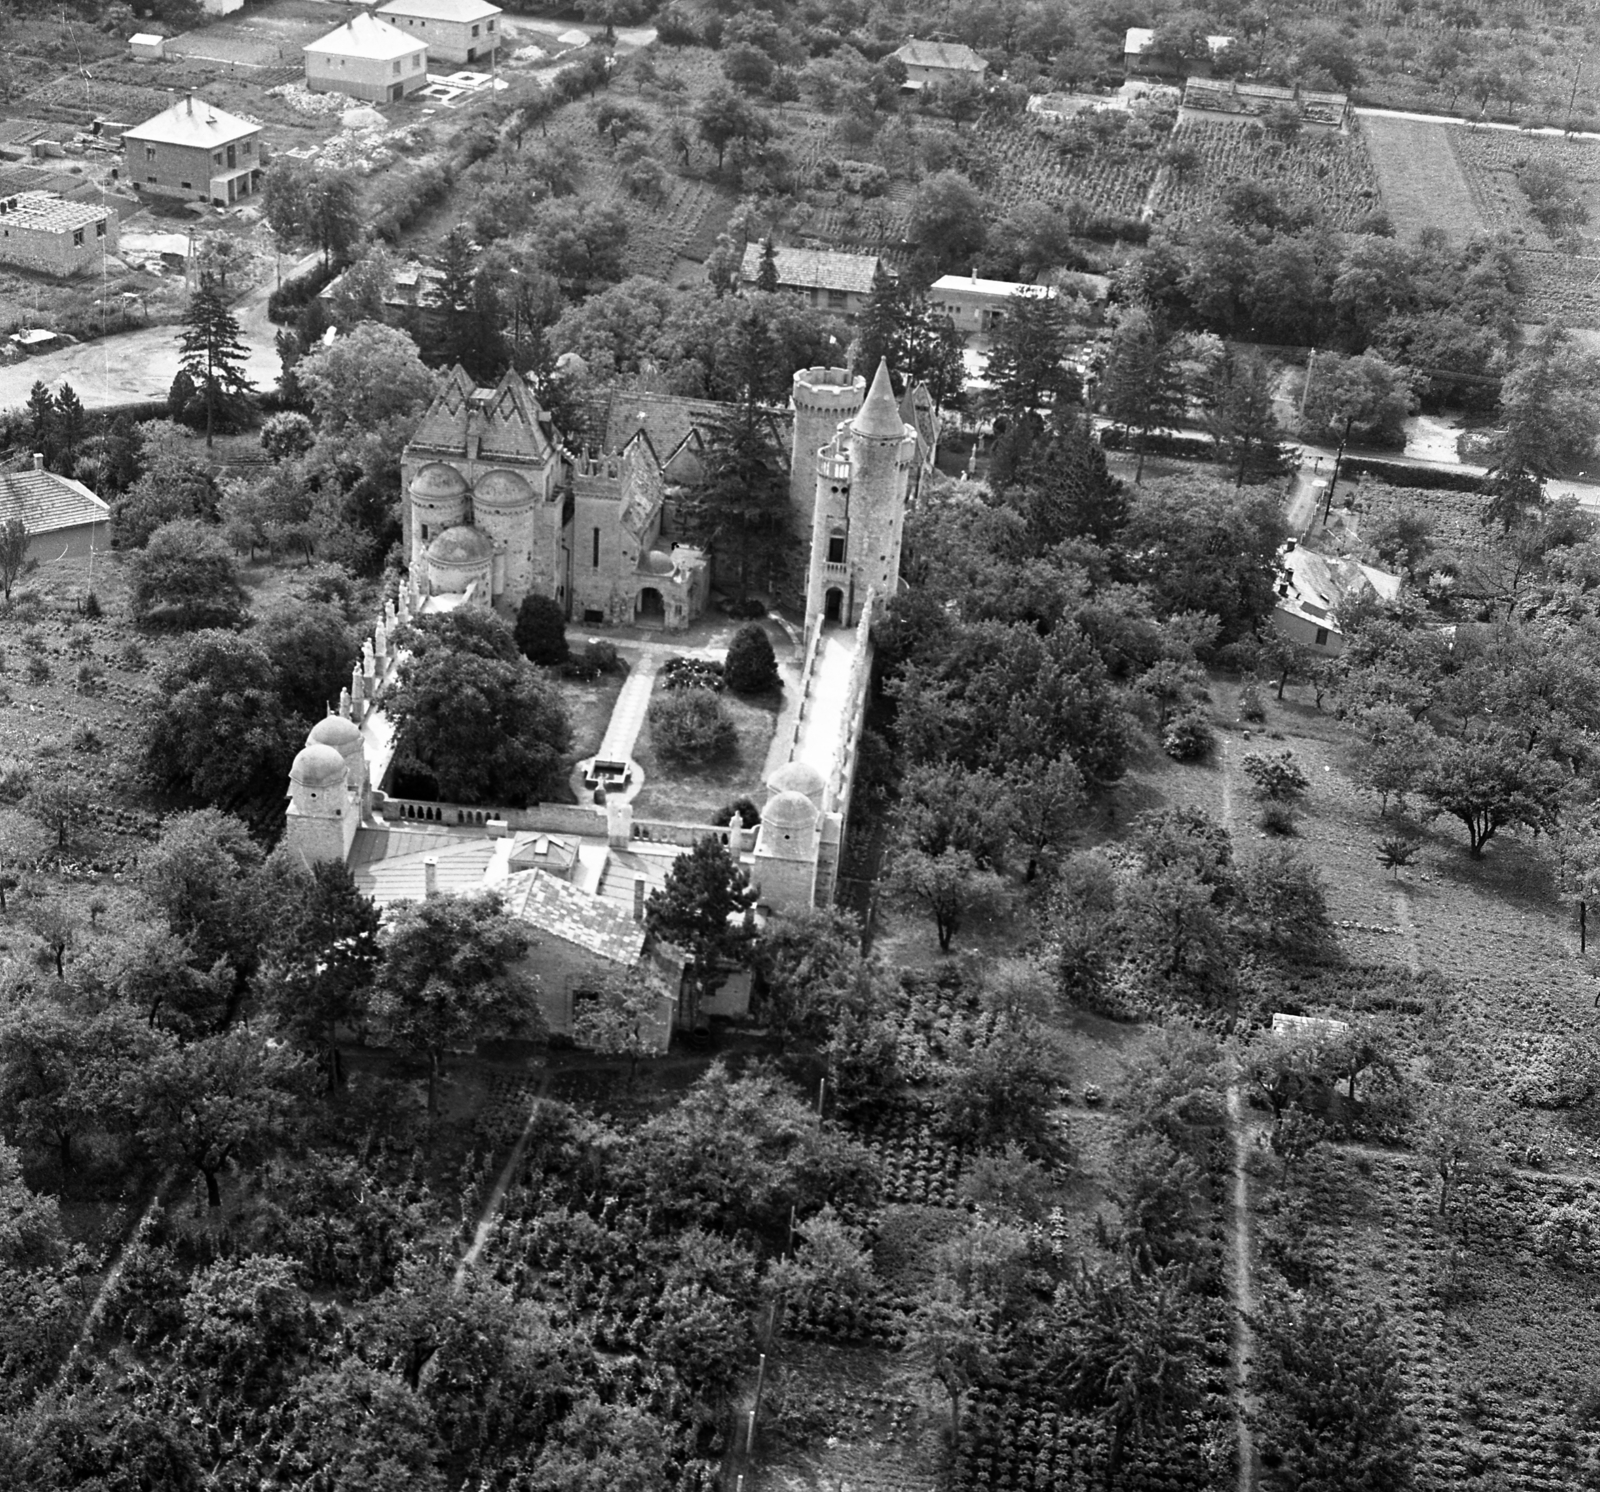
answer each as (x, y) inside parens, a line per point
(1402, 474)
(1160, 443)
(298, 291)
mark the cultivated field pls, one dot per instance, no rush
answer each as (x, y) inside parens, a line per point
(1420, 177)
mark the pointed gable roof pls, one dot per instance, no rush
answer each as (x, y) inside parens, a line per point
(879, 415)
(506, 419)
(444, 426)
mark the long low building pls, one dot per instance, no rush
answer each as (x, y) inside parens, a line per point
(44, 232)
(978, 305)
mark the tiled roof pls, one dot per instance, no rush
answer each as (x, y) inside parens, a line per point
(814, 269)
(441, 10)
(671, 423)
(560, 910)
(946, 54)
(367, 37)
(403, 877)
(47, 503)
(192, 121)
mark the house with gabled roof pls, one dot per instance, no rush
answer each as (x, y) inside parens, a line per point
(64, 519)
(194, 149)
(1312, 587)
(930, 64)
(367, 58)
(824, 278)
(460, 31)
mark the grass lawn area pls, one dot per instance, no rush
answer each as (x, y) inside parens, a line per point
(589, 708)
(691, 794)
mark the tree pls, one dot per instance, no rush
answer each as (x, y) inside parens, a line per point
(621, 1018)
(947, 220)
(61, 806)
(1275, 776)
(810, 970)
(1141, 387)
(1133, 1349)
(949, 886)
(952, 1344)
(1241, 418)
(219, 1101)
(41, 414)
(455, 267)
(1002, 1091)
(723, 116)
(751, 666)
(172, 483)
(14, 539)
(1282, 900)
(1047, 805)
(312, 649)
(214, 353)
(68, 425)
(1027, 368)
(1332, 1412)
(703, 909)
(541, 630)
(185, 577)
(1487, 781)
(743, 496)
(1361, 394)
(325, 960)
(287, 435)
(309, 203)
(453, 976)
(767, 274)
(472, 714)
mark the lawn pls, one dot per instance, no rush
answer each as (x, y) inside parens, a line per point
(1421, 178)
(691, 794)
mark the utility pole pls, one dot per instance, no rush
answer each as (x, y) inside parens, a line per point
(1572, 102)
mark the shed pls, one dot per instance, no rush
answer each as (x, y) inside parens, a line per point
(147, 45)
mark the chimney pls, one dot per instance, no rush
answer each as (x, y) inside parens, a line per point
(430, 876)
(638, 898)
(38, 460)
(189, 101)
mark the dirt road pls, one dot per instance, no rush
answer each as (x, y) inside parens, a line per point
(142, 364)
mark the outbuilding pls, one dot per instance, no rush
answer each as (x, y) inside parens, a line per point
(63, 518)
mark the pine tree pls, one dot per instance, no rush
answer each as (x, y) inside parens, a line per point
(767, 275)
(68, 425)
(214, 353)
(1027, 367)
(41, 415)
(1242, 421)
(880, 331)
(454, 293)
(1140, 388)
(701, 910)
(744, 495)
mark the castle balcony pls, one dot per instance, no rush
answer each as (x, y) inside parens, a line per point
(832, 571)
(833, 468)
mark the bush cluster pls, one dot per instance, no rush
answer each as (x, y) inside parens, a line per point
(691, 725)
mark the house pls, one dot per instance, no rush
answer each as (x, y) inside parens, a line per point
(977, 306)
(828, 280)
(147, 46)
(221, 7)
(930, 64)
(1312, 587)
(368, 59)
(44, 232)
(64, 519)
(1138, 58)
(193, 149)
(461, 31)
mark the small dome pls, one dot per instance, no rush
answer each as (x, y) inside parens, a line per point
(502, 488)
(437, 481)
(657, 563)
(570, 365)
(797, 777)
(789, 811)
(318, 766)
(334, 731)
(461, 545)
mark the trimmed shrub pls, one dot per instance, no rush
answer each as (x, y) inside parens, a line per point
(691, 725)
(741, 808)
(541, 631)
(751, 666)
(1188, 737)
(692, 673)
(1397, 474)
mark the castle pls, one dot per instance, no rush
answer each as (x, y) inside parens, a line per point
(496, 509)
(498, 504)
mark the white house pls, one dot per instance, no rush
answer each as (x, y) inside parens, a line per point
(461, 31)
(930, 64)
(367, 59)
(1312, 587)
(978, 305)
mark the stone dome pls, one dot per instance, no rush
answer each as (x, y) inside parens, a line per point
(438, 482)
(334, 731)
(461, 545)
(502, 488)
(789, 811)
(657, 562)
(798, 777)
(318, 767)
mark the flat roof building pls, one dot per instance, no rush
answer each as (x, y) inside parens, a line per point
(460, 31)
(41, 231)
(367, 59)
(978, 305)
(194, 149)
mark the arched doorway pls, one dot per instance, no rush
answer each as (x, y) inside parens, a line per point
(651, 610)
(833, 605)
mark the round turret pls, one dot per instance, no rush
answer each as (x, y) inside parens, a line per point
(437, 482)
(344, 737)
(657, 563)
(458, 557)
(316, 780)
(502, 490)
(799, 777)
(788, 832)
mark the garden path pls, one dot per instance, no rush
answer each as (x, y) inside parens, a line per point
(828, 700)
(491, 1208)
(627, 715)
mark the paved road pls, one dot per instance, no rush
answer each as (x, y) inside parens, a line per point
(142, 364)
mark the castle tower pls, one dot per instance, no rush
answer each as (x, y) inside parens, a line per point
(786, 852)
(345, 738)
(321, 821)
(862, 478)
(822, 398)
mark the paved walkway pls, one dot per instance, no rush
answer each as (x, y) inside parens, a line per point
(627, 715)
(825, 707)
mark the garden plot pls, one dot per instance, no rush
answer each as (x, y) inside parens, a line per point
(1420, 177)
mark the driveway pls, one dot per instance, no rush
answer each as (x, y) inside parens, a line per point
(138, 365)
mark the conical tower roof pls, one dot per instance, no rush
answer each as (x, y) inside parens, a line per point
(879, 416)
